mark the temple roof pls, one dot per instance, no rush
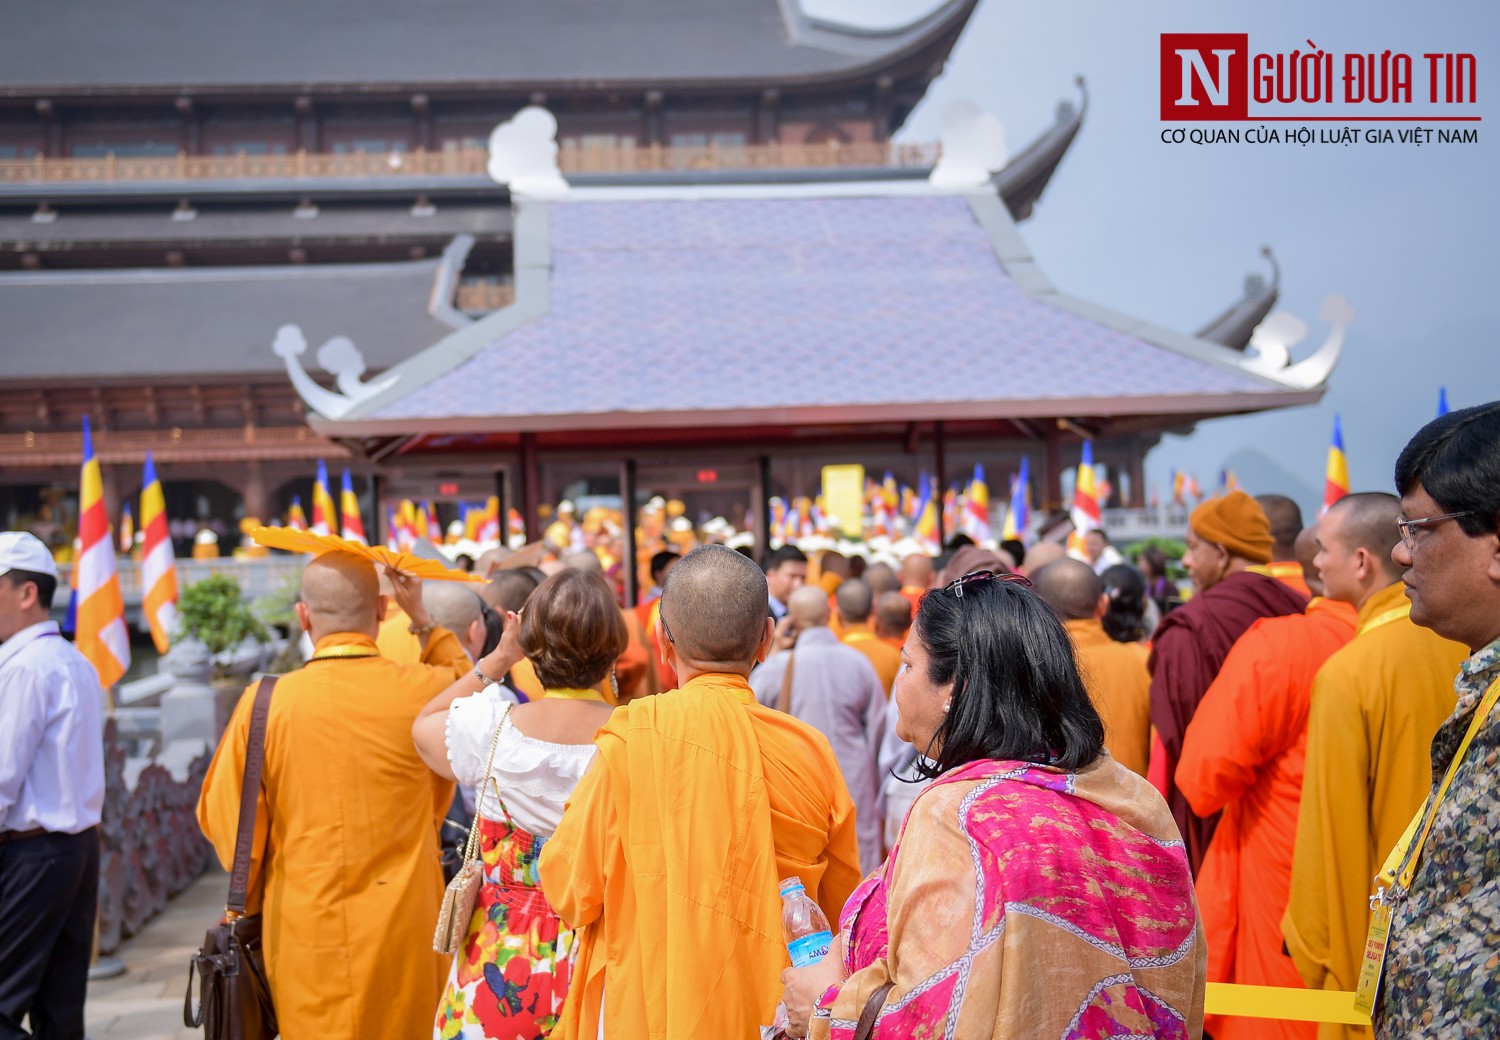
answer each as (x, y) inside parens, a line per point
(150, 46)
(636, 310)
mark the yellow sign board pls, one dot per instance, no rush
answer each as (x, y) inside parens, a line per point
(844, 499)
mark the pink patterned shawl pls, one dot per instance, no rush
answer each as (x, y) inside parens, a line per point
(1026, 902)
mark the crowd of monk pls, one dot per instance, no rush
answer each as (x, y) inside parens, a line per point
(1285, 711)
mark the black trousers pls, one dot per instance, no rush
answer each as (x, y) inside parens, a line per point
(49, 894)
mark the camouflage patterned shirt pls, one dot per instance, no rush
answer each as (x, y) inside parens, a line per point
(1442, 974)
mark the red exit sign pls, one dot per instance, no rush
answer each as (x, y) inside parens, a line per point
(447, 489)
(708, 476)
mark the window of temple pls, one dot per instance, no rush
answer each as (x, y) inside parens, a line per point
(487, 281)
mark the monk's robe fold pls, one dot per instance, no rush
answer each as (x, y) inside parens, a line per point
(345, 860)
(1120, 687)
(670, 853)
(1243, 753)
(1376, 705)
(1187, 650)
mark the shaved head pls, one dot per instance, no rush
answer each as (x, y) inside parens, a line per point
(1286, 524)
(917, 571)
(714, 603)
(583, 561)
(1367, 520)
(832, 562)
(456, 607)
(1071, 588)
(1306, 548)
(855, 601)
(1040, 555)
(490, 560)
(508, 590)
(881, 577)
(809, 607)
(892, 615)
(341, 593)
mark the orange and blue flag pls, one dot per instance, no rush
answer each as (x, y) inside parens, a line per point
(1018, 516)
(351, 527)
(977, 508)
(1086, 515)
(127, 529)
(102, 635)
(925, 529)
(296, 517)
(1336, 483)
(158, 566)
(324, 519)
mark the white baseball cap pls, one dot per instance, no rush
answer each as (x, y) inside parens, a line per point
(23, 551)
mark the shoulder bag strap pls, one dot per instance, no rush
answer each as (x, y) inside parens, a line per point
(471, 847)
(255, 757)
(784, 701)
(865, 1027)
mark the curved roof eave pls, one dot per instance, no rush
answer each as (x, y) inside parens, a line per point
(1023, 179)
(1237, 323)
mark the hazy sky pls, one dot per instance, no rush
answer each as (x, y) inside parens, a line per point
(1167, 233)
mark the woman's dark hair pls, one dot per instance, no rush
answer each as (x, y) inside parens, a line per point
(1155, 560)
(1017, 693)
(1125, 618)
(494, 628)
(571, 630)
(1456, 459)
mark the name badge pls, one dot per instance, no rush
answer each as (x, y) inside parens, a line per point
(1370, 970)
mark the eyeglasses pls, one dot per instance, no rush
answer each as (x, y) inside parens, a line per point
(1409, 527)
(662, 614)
(957, 585)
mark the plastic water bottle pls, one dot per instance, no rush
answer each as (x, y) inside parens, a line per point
(806, 929)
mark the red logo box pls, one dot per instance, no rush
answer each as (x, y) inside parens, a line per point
(1205, 76)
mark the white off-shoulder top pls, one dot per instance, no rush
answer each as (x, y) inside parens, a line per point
(535, 777)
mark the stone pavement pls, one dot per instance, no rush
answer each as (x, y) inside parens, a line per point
(145, 1003)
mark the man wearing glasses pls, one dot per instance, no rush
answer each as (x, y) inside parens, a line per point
(1442, 974)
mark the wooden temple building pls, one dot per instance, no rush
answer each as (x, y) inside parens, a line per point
(741, 278)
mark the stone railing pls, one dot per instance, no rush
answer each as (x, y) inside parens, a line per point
(458, 162)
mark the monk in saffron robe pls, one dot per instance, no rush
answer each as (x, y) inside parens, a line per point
(1286, 524)
(699, 802)
(1243, 753)
(1226, 537)
(856, 602)
(345, 863)
(1114, 673)
(1375, 707)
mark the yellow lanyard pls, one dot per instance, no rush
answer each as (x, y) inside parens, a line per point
(1395, 877)
(334, 653)
(1385, 618)
(570, 694)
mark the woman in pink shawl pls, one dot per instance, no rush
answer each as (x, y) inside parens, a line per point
(1039, 888)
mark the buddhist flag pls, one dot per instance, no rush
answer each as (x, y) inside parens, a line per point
(323, 516)
(158, 567)
(977, 510)
(1086, 515)
(102, 635)
(392, 530)
(1336, 484)
(127, 529)
(489, 530)
(776, 527)
(1442, 401)
(1179, 487)
(351, 527)
(926, 529)
(1018, 516)
(296, 518)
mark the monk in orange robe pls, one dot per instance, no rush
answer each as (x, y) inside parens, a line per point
(1243, 754)
(1115, 673)
(855, 603)
(1376, 705)
(700, 801)
(892, 619)
(1286, 524)
(345, 863)
(916, 577)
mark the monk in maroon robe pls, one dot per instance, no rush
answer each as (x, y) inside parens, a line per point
(1226, 538)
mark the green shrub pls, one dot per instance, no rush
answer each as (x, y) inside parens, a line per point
(215, 612)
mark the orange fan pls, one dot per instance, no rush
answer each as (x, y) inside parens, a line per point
(406, 563)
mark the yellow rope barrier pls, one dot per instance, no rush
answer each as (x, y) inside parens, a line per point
(1293, 1005)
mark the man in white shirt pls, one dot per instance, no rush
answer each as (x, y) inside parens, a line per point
(786, 570)
(51, 791)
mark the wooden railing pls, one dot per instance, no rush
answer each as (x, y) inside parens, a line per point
(457, 162)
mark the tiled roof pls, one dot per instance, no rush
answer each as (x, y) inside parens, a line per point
(789, 304)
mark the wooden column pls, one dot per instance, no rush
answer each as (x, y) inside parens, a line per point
(940, 464)
(531, 486)
(627, 510)
(763, 508)
(256, 500)
(1052, 471)
(501, 495)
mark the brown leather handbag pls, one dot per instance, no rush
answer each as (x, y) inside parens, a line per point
(234, 1001)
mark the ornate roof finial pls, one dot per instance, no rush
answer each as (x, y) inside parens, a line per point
(523, 154)
(339, 356)
(973, 147)
(1275, 337)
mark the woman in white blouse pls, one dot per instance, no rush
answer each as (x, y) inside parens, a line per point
(511, 975)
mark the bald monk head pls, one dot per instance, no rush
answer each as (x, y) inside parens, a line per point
(1306, 550)
(490, 560)
(456, 607)
(892, 615)
(583, 561)
(1071, 588)
(881, 577)
(713, 614)
(340, 593)
(1355, 539)
(808, 607)
(1286, 525)
(855, 601)
(508, 590)
(917, 571)
(1040, 555)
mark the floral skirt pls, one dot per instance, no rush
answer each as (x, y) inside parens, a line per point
(510, 977)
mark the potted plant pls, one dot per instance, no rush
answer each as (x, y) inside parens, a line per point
(215, 613)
